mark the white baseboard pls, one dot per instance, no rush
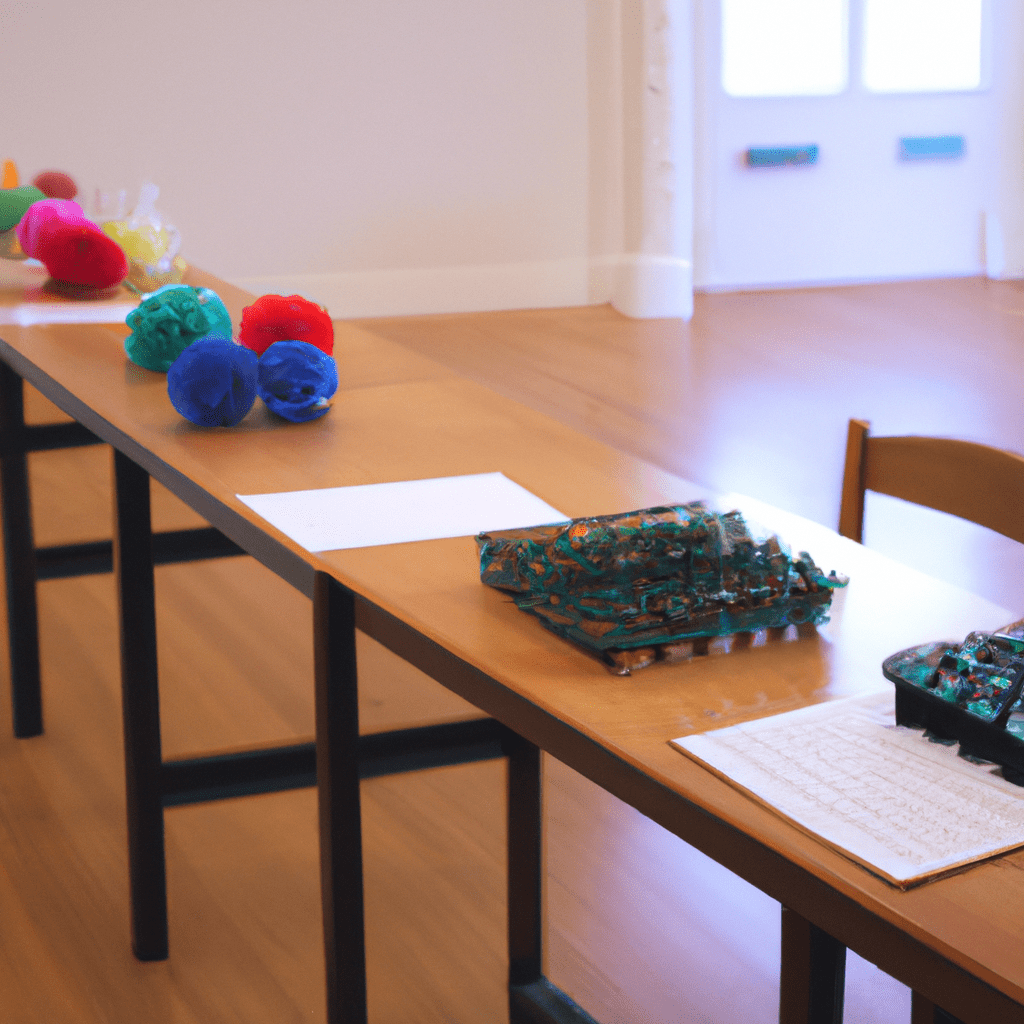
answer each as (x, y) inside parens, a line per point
(648, 287)
(467, 289)
(638, 286)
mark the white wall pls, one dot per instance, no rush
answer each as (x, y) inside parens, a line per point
(382, 156)
(1010, 195)
(641, 155)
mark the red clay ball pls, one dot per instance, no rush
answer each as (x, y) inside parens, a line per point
(285, 318)
(56, 185)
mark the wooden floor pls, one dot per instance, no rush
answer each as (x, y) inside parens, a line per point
(752, 396)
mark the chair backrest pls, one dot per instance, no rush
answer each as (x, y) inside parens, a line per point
(975, 482)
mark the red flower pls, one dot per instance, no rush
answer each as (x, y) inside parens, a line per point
(285, 318)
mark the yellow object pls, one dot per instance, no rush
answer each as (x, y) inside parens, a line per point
(144, 244)
(10, 177)
(10, 247)
(145, 278)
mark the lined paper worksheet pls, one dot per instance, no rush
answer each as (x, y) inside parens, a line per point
(906, 808)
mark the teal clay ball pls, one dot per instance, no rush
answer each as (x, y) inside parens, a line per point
(168, 321)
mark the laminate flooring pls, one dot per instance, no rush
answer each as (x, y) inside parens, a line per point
(752, 396)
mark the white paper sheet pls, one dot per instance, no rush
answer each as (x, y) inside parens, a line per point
(27, 314)
(884, 795)
(366, 516)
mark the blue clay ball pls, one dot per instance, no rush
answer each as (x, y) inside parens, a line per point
(296, 380)
(213, 382)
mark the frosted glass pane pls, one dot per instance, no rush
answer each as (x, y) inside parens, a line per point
(784, 47)
(922, 45)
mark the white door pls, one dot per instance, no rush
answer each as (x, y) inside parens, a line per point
(863, 205)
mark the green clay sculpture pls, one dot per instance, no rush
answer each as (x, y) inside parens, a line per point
(634, 587)
(169, 320)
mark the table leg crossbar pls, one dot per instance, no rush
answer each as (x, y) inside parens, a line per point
(813, 962)
(337, 762)
(532, 998)
(25, 564)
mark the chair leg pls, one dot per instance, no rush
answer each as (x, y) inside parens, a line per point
(337, 766)
(19, 560)
(813, 973)
(851, 507)
(140, 701)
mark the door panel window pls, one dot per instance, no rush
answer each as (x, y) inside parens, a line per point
(922, 45)
(784, 47)
(801, 47)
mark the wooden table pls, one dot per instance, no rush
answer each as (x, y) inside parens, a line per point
(955, 940)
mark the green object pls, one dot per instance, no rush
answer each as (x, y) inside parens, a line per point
(168, 321)
(654, 577)
(14, 202)
(969, 693)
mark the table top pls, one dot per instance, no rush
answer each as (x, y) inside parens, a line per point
(400, 416)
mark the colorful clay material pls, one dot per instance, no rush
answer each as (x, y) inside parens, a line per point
(14, 204)
(297, 380)
(149, 241)
(170, 320)
(72, 248)
(648, 580)
(273, 318)
(9, 175)
(213, 382)
(969, 692)
(56, 184)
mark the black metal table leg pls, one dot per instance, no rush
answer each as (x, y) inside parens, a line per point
(813, 973)
(525, 860)
(133, 570)
(532, 999)
(19, 559)
(337, 764)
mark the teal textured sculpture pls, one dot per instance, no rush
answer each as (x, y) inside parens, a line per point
(642, 581)
(169, 320)
(969, 692)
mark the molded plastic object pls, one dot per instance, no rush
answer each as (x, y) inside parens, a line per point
(781, 156)
(73, 249)
(171, 319)
(213, 382)
(932, 147)
(296, 380)
(273, 318)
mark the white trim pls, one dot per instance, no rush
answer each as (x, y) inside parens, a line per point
(637, 284)
(647, 287)
(464, 289)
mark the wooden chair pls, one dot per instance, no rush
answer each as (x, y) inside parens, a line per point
(976, 482)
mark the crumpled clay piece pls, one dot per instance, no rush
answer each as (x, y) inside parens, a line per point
(273, 318)
(73, 249)
(14, 204)
(296, 380)
(213, 382)
(56, 184)
(168, 321)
